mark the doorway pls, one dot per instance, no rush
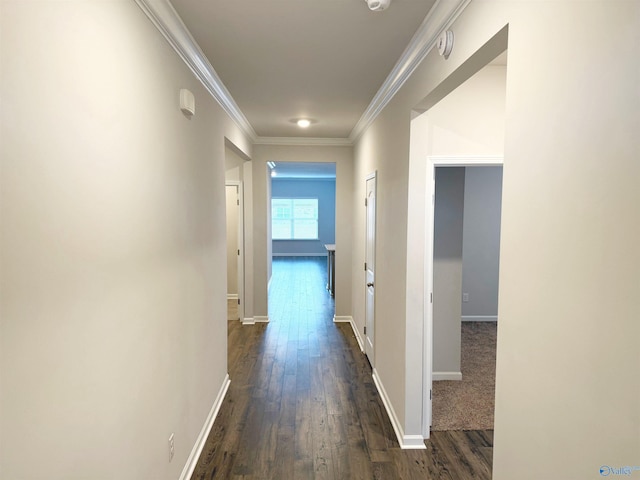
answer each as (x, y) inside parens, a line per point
(235, 249)
(302, 220)
(370, 267)
(466, 128)
(466, 244)
(447, 279)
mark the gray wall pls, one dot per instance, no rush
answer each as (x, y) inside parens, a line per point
(325, 191)
(481, 242)
(447, 268)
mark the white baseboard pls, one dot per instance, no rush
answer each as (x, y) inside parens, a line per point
(232, 296)
(349, 319)
(194, 456)
(479, 318)
(407, 442)
(299, 254)
(254, 320)
(446, 376)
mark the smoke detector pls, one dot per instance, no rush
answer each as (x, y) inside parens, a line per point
(378, 5)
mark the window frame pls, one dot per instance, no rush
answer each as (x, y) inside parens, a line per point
(293, 219)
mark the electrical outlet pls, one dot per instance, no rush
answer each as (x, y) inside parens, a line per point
(465, 297)
(171, 447)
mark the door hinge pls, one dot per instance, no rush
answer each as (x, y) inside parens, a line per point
(238, 251)
(366, 202)
(238, 201)
(429, 394)
(365, 330)
(238, 301)
(365, 266)
(431, 297)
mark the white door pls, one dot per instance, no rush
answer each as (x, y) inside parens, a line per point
(235, 267)
(370, 267)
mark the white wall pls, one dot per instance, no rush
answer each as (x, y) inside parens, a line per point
(113, 326)
(471, 119)
(481, 242)
(343, 158)
(569, 293)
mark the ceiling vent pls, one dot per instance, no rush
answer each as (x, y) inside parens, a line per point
(378, 5)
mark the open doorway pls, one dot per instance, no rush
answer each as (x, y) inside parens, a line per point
(466, 245)
(234, 199)
(302, 227)
(460, 125)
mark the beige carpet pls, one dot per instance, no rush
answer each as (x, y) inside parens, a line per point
(469, 404)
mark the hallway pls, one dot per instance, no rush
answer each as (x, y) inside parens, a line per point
(302, 403)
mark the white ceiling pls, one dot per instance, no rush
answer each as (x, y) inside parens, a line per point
(286, 59)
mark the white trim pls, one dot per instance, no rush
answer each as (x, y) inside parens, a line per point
(466, 161)
(254, 320)
(407, 442)
(168, 22)
(457, 376)
(304, 141)
(194, 456)
(232, 296)
(298, 254)
(479, 318)
(440, 17)
(354, 327)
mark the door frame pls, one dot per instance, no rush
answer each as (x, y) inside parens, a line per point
(372, 176)
(241, 300)
(434, 161)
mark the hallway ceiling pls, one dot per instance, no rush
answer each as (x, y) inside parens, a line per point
(286, 59)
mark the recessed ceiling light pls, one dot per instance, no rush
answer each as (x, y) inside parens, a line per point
(303, 123)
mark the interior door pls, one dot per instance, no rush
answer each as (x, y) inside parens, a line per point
(370, 267)
(235, 267)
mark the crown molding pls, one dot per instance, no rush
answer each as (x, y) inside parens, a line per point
(168, 22)
(304, 141)
(440, 17)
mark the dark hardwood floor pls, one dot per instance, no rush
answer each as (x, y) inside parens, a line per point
(302, 403)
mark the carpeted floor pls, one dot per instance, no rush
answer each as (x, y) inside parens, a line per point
(469, 404)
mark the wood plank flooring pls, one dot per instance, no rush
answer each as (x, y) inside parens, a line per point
(302, 403)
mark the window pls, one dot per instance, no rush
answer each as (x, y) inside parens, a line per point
(294, 218)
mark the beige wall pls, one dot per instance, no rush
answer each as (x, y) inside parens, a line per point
(471, 119)
(113, 325)
(343, 158)
(568, 393)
